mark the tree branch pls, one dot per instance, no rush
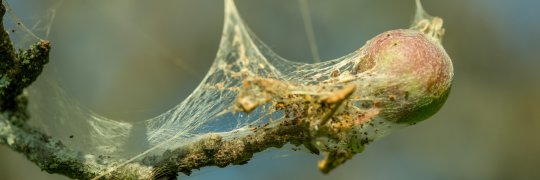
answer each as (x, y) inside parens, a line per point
(19, 69)
(417, 75)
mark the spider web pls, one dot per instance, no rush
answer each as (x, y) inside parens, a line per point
(208, 109)
(211, 108)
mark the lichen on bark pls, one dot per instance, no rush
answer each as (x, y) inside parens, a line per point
(18, 69)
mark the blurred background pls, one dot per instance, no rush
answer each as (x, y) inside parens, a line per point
(132, 60)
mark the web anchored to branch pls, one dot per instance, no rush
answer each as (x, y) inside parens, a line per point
(252, 99)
